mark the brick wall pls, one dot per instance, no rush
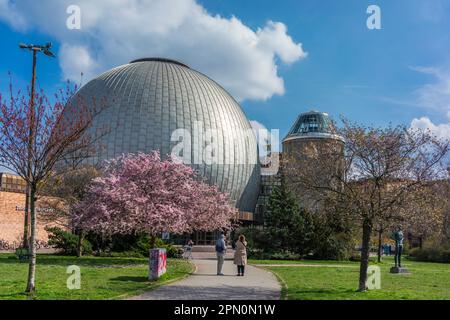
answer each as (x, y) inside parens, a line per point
(12, 219)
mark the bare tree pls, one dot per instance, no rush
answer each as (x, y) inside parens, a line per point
(445, 192)
(380, 173)
(380, 228)
(422, 216)
(425, 217)
(54, 137)
(62, 193)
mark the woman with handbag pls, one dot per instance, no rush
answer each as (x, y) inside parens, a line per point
(240, 255)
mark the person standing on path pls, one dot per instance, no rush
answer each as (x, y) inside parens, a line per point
(240, 255)
(221, 250)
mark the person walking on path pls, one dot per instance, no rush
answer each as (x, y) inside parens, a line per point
(221, 250)
(240, 255)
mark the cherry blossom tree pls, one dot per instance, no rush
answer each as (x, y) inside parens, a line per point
(141, 193)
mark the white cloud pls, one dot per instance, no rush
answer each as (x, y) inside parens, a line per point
(114, 32)
(274, 38)
(441, 130)
(75, 59)
(436, 95)
(10, 14)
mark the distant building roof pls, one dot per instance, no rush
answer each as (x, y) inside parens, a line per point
(11, 183)
(313, 124)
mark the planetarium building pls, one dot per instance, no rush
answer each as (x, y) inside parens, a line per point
(156, 104)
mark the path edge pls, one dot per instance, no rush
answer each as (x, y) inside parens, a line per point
(283, 284)
(125, 296)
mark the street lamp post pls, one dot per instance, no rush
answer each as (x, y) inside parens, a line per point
(32, 115)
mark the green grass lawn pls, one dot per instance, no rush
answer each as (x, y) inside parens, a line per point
(428, 281)
(101, 278)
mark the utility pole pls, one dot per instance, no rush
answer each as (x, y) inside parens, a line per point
(32, 116)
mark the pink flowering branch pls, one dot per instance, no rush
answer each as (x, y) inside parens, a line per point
(140, 193)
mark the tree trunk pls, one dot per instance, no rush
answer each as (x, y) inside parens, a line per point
(29, 194)
(32, 265)
(420, 242)
(25, 243)
(152, 241)
(380, 236)
(80, 243)
(365, 251)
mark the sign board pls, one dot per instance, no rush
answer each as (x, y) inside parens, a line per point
(165, 236)
(157, 263)
(37, 209)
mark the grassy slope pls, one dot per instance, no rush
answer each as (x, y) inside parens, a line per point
(426, 281)
(101, 278)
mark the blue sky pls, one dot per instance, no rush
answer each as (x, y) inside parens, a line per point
(399, 74)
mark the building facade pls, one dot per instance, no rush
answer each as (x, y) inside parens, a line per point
(310, 142)
(12, 211)
(312, 135)
(268, 183)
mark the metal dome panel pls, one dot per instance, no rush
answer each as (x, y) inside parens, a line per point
(151, 98)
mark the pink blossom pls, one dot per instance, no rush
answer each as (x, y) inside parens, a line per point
(142, 193)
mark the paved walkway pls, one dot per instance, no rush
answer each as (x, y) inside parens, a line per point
(204, 284)
(307, 265)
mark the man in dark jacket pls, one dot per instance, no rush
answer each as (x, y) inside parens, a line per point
(221, 250)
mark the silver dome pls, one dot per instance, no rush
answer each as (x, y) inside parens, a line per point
(148, 99)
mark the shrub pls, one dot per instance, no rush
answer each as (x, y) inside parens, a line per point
(66, 241)
(293, 232)
(405, 250)
(258, 254)
(172, 252)
(257, 238)
(332, 246)
(441, 254)
(285, 255)
(135, 245)
(23, 254)
(357, 257)
(123, 254)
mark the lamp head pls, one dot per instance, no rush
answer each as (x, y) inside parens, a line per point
(48, 53)
(45, 49)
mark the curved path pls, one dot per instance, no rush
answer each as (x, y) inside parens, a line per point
(204, 284)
